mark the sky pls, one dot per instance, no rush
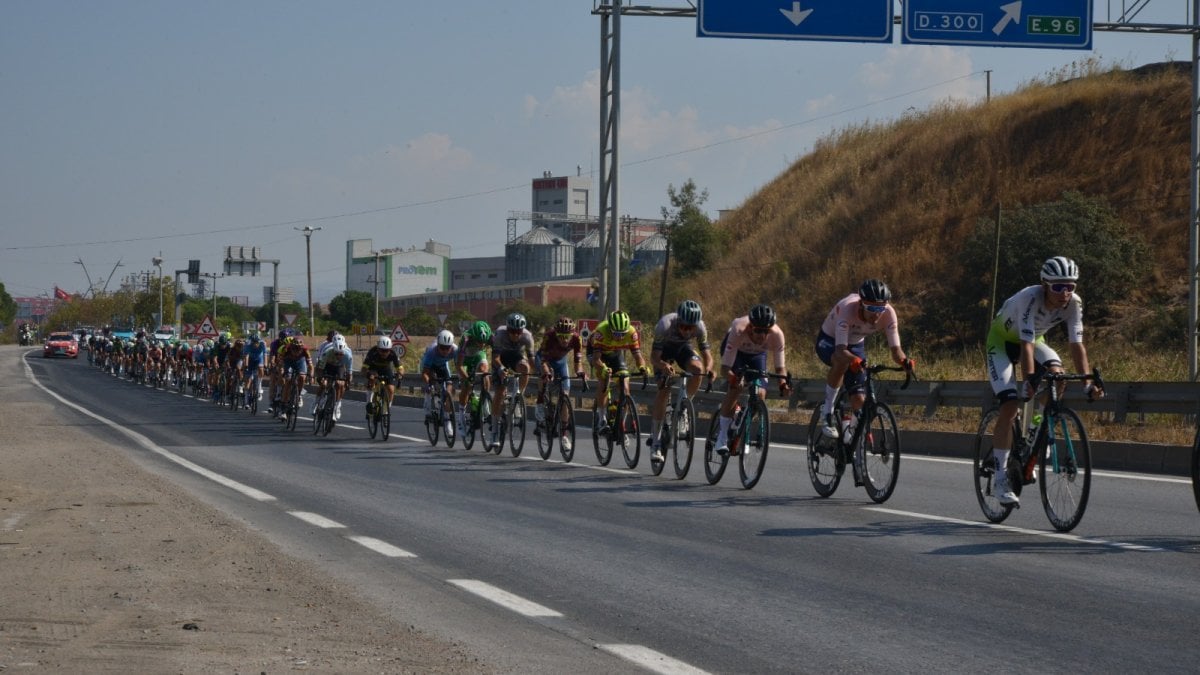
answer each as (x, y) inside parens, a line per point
(131, 129)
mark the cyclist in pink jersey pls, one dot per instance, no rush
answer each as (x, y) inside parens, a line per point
(841, 344)
(746, 345)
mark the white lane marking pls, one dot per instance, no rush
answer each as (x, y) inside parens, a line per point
(148, 444)
(651, 660)
(315, 519)
(1019, 530)
(504, 598)
(381, 547)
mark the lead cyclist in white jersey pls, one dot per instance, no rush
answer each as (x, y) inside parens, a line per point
(1017, 337)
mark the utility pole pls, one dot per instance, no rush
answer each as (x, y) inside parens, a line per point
(308, 230)
(158, 261)
(91, 288)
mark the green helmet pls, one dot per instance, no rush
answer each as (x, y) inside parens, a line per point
(480, 331)
(618, 322)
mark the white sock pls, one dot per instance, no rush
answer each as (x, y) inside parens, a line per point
(1001, 455)
(830, 396)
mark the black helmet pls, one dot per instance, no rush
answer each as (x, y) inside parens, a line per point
(762, 316)
(874, 290)
(516, 322)
(689, 312)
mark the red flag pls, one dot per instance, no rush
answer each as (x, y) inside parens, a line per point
(61, 294)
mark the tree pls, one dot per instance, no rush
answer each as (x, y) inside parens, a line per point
(8, 306)
(418, 321)
(1109, 254)
(695, 242)
(352, 307)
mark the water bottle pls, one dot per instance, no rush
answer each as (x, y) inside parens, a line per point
(474, 402)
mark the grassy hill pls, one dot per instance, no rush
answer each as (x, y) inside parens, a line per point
(896, 200)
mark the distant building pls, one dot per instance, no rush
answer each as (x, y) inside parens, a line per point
(476, 272)
(397, 272)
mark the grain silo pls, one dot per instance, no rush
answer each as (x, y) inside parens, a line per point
(538, 255)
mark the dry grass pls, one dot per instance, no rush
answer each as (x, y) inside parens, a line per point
(889, 199)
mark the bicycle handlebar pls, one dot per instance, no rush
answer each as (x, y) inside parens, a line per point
(1094, 376)
(910, 375)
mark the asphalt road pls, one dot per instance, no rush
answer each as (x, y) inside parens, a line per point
(580, 568)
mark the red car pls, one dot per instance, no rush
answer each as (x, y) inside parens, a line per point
(61, 344)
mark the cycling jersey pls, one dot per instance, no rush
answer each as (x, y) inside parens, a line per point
(738, 341)
(554, 349)
(432, 358)
(511, 352)
(846, 327)
(602, 340)
(255, 354)
(667, 334)
(1025, 318)
(381, 360)
(471, 353)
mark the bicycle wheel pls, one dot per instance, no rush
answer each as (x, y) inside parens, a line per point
(714, 462)
(290, 420)
(485, 421)
(373, 415)
(449, 430)
(629, 433)
(683, 437)
(433, 423)
(664, 434)
(603, 443)
(565, 427)
(1196, 467)
(470, 427)
(753, 457)
(317, 422)
(985, 469)
(516, 425)
(327, 421)
(385, 424)
(825, 461)
(1065, 475)
(881, 454)
(543, 432)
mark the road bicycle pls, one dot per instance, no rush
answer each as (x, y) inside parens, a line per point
(622, 426)
(323, 421)
(558, 421)
(870, 444)
(749, 433)
(291, 407)
(512, 415)
(252, 393)
(379, 410)
(1054, 443)
(677, 434)
(440, 419)
(478, 417)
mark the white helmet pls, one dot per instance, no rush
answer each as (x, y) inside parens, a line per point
(385, 342)
(339, 343)
(445, 339)
(1059, 268)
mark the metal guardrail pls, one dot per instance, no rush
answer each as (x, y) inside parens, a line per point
(1123, 399)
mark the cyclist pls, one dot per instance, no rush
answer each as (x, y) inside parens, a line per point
(745, 345)
(841, 345)
(472, 356)
(1017, 337)
(382, 362)
(296, 359)
(336, 362)
(512, 348)
(254, 354)
(435, 363)
(274, 368)
(551, 358)
(673, 336)
(605, 352)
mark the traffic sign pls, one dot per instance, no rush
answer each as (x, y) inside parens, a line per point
(398, 334)
(290, 319)
(206, 328)
(833, 20)
(399, 349)
(1053, 24)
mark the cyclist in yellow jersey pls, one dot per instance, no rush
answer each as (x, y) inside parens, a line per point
(605, 351)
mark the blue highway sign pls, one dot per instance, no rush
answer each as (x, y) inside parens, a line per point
(834, 20)
(1055, 24)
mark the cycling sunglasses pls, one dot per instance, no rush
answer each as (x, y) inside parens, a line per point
(874, 309)
(1063, 288)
